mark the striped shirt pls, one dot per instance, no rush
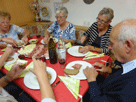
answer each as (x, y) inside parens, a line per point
(92, 34)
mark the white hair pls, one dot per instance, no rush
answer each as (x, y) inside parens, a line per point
(127, 32)
(62, 10)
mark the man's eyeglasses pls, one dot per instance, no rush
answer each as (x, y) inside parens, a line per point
(5, 22)
(103, 22)
(59, 17)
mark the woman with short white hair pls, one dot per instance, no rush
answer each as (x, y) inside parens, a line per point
(61, 26)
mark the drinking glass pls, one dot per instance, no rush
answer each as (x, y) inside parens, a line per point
(62, 57)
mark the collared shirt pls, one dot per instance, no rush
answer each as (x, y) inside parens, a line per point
(13, 32)
(48, 100)
(127, 67)
(68, 33)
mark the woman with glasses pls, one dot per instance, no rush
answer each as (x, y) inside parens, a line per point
(99, 32)
(9, 32)
(61, 26)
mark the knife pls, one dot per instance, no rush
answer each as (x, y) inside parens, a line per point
(56, 84)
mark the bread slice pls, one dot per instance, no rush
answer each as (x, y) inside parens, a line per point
(71, 71)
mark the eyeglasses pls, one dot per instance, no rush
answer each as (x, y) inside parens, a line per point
(103, 22)
(5, 22)
(59, 17)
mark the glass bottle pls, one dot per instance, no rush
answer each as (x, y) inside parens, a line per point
(52, 51)
(61, 51)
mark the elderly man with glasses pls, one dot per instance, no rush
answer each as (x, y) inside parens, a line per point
(99, 32)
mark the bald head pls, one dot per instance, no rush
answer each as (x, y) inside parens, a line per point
(125, 30)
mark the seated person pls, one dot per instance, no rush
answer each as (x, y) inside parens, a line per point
(119, 86)
(99, 32)
(11, 75)
(9, 32)
(39, 70)
(61, 26)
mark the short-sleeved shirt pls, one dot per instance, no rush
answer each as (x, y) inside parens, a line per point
(68, 33)
(13, 32)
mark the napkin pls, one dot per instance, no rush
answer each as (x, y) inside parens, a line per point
(72, 84)
(24, 72)
(3, 49)
(92, 55)
(68, 45)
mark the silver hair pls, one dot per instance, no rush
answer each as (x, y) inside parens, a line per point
(108, 11)
(127, 32)
(62, 10)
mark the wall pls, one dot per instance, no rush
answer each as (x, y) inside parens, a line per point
(85, 14)
(19, 10)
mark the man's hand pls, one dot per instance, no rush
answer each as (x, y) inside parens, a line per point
(39, 67)
(90, 74)
(10, 41)
(14, 72)
(83, 38)
(103, 68)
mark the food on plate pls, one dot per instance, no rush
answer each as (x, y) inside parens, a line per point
(80, 50)
(22, 63)
(19, 43)
(77, 66)
(71, 71)
(33, 41)
(49, 76)
(34, 50)
(38, 51)
(9, 59)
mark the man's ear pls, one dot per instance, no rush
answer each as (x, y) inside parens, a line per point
(129, 45)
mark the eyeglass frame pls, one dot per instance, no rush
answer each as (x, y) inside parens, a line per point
(103, 22)
(59, 17)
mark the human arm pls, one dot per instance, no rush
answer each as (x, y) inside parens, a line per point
(69, 40)
(11, 75)
(9, 51)
(2, 45)
(40, 71)
(46, 37)
(26, 36)
(10, 41)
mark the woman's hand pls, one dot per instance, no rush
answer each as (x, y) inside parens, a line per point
(83, 38)
(2, 45)
(46, 39)
(25, 39)
(10, 41)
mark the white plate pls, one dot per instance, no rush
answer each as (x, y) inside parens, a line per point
(74, 51)
(33, 41)
(56, 40)
(30, 80)
(81, 74)
(15, 56)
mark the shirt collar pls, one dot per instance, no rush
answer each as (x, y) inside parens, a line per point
(127, 67)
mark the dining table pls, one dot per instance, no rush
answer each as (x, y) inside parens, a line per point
(61, 92)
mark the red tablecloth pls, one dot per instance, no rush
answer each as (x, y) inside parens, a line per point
(62, 94)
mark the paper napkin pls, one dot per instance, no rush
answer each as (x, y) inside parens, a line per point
(72, 84)
(3, 49)
(68, 45)
(92, 55)
(24, 72)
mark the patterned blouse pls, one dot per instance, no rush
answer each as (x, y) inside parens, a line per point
(13, 32)
(68, 33)
(92, 34)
